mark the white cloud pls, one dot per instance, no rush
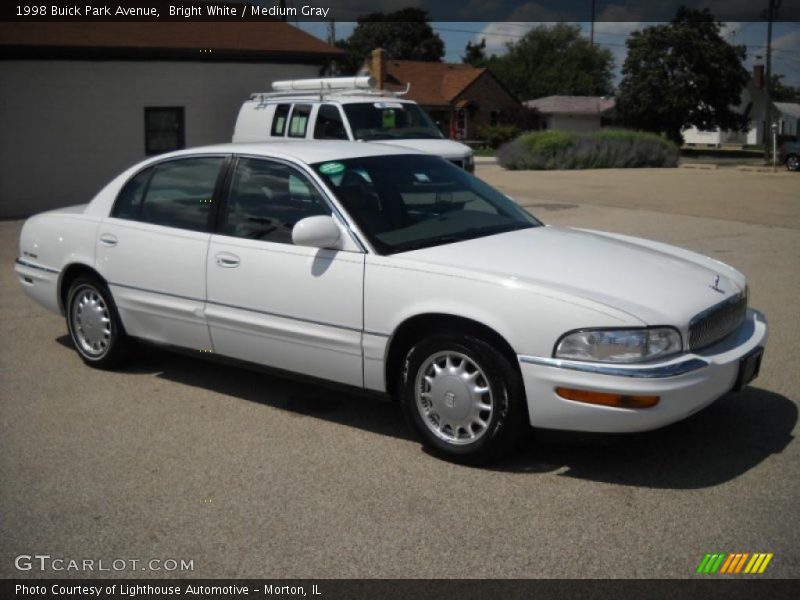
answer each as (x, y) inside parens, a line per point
(497, 35)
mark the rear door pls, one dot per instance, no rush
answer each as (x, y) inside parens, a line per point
(274, 303)
(152, 250)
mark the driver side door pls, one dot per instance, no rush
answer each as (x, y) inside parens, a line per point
(275, 303)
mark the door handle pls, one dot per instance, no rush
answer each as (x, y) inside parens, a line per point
(108, 239)
(227, 260)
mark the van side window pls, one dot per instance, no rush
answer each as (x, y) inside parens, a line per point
(279, 120)
(299, 120)
(329, 124)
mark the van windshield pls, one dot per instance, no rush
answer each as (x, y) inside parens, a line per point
(385, 120)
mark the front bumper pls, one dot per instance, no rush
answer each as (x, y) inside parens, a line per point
(685, 384)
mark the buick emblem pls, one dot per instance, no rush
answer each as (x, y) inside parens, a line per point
(450, 399)
(715, 286)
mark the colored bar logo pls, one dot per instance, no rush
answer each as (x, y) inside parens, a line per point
(735, 563)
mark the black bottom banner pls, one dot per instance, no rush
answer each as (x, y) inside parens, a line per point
(400, 589)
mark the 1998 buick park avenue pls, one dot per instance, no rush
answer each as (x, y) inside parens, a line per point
(370, 266)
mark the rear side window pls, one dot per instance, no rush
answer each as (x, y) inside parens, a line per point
(329, 124)
(279, 120)
(129, 201)
(299, 122)
(179, 193)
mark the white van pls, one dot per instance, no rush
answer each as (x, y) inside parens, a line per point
(344, 108)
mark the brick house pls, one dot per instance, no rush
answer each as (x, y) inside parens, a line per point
(80, 101)
(459, 97)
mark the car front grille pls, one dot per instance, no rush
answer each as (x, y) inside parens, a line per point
(717, 322)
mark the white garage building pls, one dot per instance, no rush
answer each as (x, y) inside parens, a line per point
(79, 102)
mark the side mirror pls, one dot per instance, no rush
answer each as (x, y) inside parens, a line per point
(318, 232)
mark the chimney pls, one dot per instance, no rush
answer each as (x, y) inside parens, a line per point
(758, 76)
(378, 67)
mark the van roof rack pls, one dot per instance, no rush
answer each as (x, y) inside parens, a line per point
(325, 88)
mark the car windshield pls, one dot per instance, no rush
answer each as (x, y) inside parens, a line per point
(390, 121)
(407, 202)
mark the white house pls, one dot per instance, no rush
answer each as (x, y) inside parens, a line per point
(572, 113)
(753, 99)
(79, 102)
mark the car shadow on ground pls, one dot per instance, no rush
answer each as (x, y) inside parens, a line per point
(713, 446)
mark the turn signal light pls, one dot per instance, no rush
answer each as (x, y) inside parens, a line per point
(617, 400)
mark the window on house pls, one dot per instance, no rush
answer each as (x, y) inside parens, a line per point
(163, 129)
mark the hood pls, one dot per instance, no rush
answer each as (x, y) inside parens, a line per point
(444, 148)
(655, 283)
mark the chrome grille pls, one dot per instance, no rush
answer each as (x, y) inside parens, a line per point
(717, 322)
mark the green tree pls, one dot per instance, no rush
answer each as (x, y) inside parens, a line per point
(554, 60)
(404, 34)
(780, 92)
(682, 74)
(475, 54)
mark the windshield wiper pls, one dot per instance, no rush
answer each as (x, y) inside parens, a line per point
(428, 242)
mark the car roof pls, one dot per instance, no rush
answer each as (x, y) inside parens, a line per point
(305, 151)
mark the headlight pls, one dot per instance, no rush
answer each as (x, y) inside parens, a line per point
(469, 163)
(619, 345)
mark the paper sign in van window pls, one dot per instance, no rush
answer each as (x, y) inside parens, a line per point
(331, 168)
(389, 119)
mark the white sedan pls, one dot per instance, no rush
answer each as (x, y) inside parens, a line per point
(398, 273)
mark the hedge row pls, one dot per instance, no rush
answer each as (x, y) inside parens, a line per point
(603, 149)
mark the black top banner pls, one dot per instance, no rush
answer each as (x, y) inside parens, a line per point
(438, 10)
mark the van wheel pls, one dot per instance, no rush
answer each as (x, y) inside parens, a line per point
(463, 398)
(793, 162)
(94, 324)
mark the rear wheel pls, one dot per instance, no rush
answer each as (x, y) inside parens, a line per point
(463, 398)
(94, 324)
(793, 162)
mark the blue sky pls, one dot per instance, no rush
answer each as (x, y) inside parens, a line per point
(785, 40)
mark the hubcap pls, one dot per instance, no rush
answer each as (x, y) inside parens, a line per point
(91, 322)
(454, 398)
(792, 163)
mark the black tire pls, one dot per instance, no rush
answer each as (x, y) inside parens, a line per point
(505, 423)
(793, 162)
(113, 347)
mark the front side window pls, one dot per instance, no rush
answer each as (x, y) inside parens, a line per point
(406, 202)
(390, 120)
(329, 124)
(179, 193)
(267, 199)
(163, 129)
(299, 122)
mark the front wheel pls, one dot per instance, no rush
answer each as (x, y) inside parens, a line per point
(463, 398)
(94, 325)
(793, 162)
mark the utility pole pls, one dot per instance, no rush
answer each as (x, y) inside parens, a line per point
(332, 32)
(772, 9)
